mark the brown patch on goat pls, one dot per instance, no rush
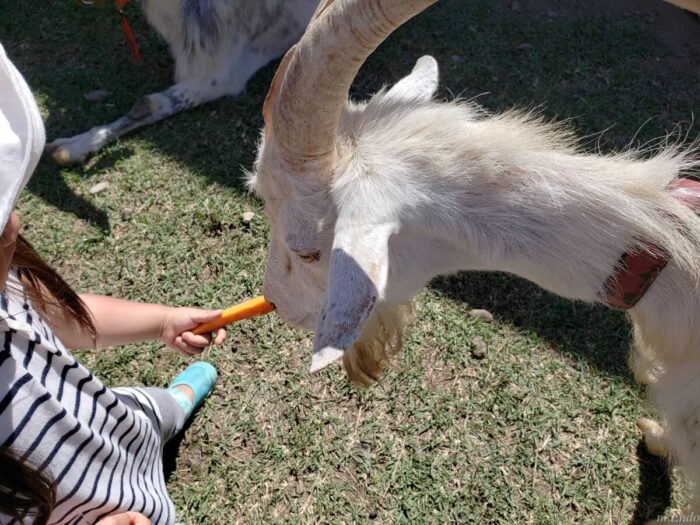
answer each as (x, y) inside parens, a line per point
(381, 339)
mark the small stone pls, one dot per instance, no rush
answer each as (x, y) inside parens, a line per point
(457, 59)
(482, 315)
(478, 348)
(97, 188)
(515, 5)
(552, 14)
(373, 515)
(247, 218)
(96, 95)
(524, 47)
(126, 214)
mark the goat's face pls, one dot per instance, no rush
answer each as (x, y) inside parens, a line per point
(328, 259)
(301, 220)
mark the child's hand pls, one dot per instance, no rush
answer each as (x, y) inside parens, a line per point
(175, 331)
(125, 518)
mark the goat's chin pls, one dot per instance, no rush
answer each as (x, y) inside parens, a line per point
(381, 339)
(300, 322)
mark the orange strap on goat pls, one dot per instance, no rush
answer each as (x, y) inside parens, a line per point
(126, 27)
(637, 269)
(128, 32)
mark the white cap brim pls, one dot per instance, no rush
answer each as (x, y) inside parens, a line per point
(21, 136)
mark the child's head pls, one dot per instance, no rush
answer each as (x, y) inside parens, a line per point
(21, 144)
(8, 245)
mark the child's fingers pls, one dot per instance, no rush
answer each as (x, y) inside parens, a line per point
(200, 341)
(138, 519)
(202, 316)
(220, 336)
(119, 519)
(186, 347)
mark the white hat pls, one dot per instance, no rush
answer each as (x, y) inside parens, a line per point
(21, 136)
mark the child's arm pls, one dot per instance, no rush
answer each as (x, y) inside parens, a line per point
(121, 322)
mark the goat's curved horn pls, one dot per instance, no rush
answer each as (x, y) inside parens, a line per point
(306, 104)
(275, 86)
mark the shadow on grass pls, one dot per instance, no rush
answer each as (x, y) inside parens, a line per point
(49, 186)
(654, 487)
(602, 68)
(171, 451)
(594, 334)
(589, 333)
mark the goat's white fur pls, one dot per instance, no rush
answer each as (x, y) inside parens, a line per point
(422, 188)
(217, 45)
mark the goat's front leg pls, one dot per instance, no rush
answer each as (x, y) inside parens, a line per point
(147, 110)
(676, 394)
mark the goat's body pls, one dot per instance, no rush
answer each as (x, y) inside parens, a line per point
(509, 193)
(461, 190)
(217, 45)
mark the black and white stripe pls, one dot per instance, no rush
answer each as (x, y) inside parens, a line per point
(104, 453)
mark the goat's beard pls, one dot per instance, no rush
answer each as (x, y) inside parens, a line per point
(381, 339)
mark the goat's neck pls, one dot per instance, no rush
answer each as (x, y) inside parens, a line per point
(561, 227)
(505, 193)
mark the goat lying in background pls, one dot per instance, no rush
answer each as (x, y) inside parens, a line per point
(368, 201)
(217, 46)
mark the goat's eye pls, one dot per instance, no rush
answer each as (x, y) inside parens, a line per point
(310, 257)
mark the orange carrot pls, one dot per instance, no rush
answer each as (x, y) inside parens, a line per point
(244, 310)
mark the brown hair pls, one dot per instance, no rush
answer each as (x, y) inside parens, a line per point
(26, 492)
(47, 290)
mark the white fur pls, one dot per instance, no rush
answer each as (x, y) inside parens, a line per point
(422, 188)
(217, 45)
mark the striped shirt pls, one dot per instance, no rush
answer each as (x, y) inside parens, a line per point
(102, 446)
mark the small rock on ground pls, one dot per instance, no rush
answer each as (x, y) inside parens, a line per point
(247, 217)
(96, 95)
(482, 315)
(97, 188)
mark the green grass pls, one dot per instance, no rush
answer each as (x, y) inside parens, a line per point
(540, 431)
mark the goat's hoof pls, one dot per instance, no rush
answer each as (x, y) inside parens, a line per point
(60, 150)
(654, 437)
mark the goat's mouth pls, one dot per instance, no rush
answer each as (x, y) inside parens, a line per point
(303, 322)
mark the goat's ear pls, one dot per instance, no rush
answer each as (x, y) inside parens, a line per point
(356, 281)
(421, 84)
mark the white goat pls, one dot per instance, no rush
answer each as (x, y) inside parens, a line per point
(217, 46)
(367, 202)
